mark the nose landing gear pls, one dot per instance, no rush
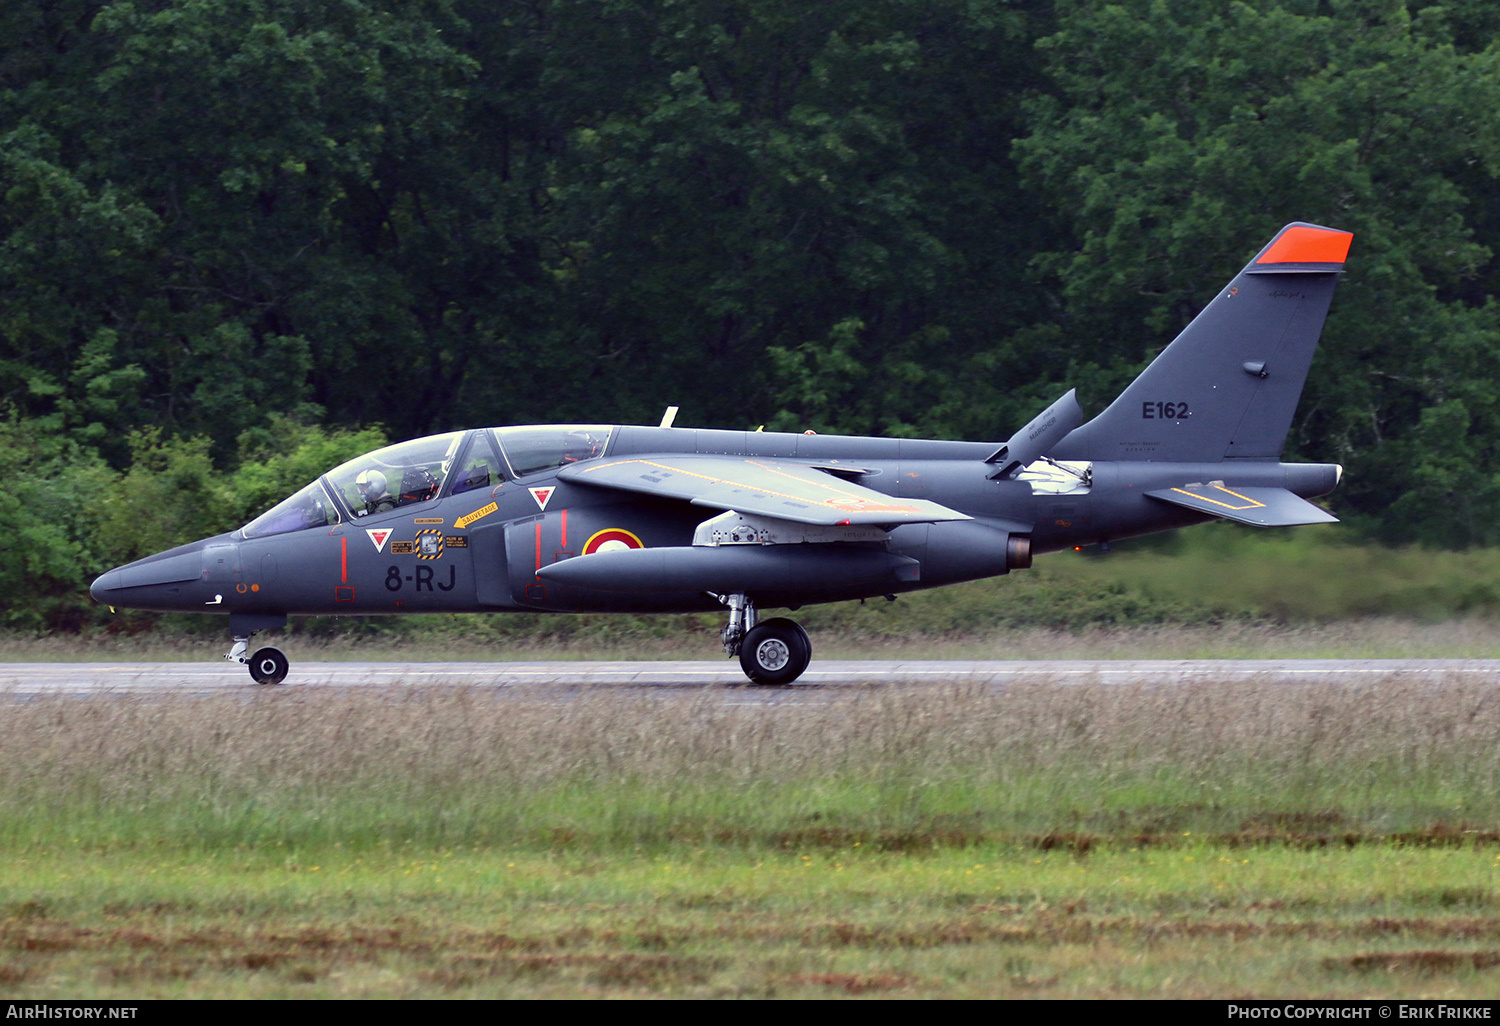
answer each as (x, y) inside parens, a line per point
(268, 665)
(775, 651)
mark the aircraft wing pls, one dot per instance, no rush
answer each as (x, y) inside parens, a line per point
(754, 484)
(1258, 507)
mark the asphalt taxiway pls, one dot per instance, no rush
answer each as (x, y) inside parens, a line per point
(30, 680)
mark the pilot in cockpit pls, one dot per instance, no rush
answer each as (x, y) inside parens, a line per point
(582, 445)
(374, 492)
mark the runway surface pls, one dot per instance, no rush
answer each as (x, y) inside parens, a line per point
(30, 680)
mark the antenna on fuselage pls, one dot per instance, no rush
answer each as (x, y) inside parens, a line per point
(668, 417)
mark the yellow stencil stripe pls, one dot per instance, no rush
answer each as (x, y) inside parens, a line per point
(1249, 502)
(1230, 491)
(874, 507)
(855, 496)
(483, 511)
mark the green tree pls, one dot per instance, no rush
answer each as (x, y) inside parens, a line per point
(67, 253)
(771, 182)
(267, 206)
(1181, 133)
(50, 514)
(170, 495)
(277, 460)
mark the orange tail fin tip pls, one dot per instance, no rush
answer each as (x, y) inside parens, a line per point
(1304, 245)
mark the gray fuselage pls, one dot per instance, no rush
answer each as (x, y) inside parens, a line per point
(481, 550)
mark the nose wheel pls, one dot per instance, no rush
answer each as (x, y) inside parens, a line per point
(269, 666)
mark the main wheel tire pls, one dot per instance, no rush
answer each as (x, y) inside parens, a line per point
(269, 666)
(775, 651)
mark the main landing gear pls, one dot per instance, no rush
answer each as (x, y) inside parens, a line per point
(267, 666)
(773, 651)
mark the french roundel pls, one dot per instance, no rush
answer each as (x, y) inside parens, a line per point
(611, 539)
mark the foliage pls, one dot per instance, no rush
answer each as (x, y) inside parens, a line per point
(68, 516)
(51, 514)
(1181, 134)
(276, 461)
(900, 217)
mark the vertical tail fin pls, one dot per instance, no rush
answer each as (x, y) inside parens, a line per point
(1227, 387)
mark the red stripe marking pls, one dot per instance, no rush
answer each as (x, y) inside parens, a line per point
(564, 529)
(344, 560)
(539, 549)
(1302, 245)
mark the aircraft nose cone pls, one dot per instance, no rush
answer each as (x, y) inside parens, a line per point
(100, 590)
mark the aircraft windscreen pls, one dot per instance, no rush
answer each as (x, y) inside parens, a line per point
(311, 507)
(398, 475)
(534, 449)
(482, 467)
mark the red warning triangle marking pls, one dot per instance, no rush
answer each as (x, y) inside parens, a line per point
(378, 535)
(541, 495)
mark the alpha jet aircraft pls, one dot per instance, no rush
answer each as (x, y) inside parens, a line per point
(598, 518)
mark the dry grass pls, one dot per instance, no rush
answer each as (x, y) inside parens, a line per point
(1041, 839)
(1056, 764)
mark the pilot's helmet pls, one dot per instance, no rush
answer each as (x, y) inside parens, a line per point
(581, 445)
(370, 483)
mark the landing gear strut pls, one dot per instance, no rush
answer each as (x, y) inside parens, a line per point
(267, 665)
(775, 651)
(742, 617)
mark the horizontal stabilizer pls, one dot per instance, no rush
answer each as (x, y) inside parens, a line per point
(757, 485)
(1258, 507)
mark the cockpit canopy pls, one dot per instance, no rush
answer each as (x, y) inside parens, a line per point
(428, 468)
(398, 475)
(533, 449)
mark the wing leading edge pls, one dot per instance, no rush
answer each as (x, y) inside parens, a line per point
(1258, 507)
(769, 487)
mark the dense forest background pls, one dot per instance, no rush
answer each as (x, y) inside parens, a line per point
(241, 240)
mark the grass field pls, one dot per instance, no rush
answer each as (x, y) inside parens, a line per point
(1248, 839)
(991, 920)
